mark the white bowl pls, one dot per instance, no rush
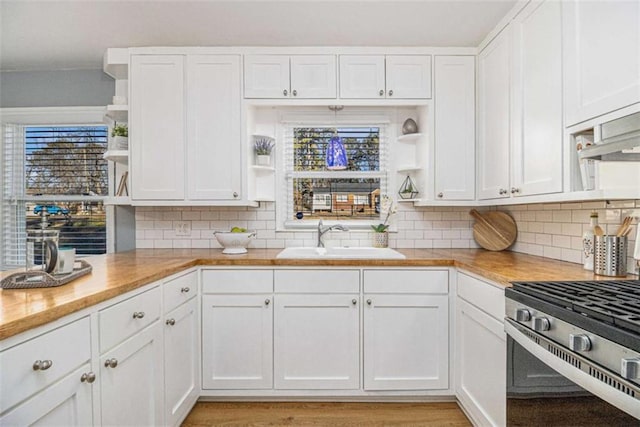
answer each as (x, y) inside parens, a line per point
(234, 243)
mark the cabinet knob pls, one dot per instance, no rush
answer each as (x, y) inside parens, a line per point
(503, 191)
(171, 322)
(89, 377)
(440, 195)
(369, 302)
(295, 92)
(185, 290)
(235, 194)
(390, 93)
(267, 301)
(138, 314)
(42, 365)
(514, 190)
(381, 93)
(111, 363)
(285, 92)
(354, 301)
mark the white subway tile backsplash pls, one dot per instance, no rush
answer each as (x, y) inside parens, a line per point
(552, 230)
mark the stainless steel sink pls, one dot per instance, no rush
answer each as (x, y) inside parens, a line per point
(340, 253)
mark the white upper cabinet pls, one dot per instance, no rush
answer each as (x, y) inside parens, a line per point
(537, 100)
(214, 152)
(157, 127)
(380, 77)
(494, 117)
(284, 76)
(601, 57)
(201, 161)
(520, 102)
(455, 124)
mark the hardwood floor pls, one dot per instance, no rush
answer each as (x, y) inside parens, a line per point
(325, 414)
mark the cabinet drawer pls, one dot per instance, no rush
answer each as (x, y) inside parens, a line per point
(66, 348)
(483, 295)
(317, 281)
(117, 322)
(179, 290)
(237, 281)
(406, 281)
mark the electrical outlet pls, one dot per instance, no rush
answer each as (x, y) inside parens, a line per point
(182, 228)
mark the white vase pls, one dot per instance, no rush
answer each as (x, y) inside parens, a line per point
(120, 143)
(380, 239)
(263, 159)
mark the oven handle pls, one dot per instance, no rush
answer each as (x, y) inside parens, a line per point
(581, 378)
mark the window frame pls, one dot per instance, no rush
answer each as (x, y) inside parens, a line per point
(49, 116)
(289, 118)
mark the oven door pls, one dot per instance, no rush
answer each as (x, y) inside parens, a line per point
(547, 389)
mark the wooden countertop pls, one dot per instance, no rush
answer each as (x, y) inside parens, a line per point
(116, 274)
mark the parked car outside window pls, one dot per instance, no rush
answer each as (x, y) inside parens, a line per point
(52, 209)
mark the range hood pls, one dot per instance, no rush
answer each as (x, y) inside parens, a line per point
(619, 140)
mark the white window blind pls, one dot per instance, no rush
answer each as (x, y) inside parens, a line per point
(313, 192)
(58, 168)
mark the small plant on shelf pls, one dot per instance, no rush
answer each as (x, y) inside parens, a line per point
(263, 147)
(408, 189)
(120, 134)
(120, 130)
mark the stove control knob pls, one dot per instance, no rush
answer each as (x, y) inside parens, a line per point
(523, 315)
(630, 368)
(541, 324)
(579, 342)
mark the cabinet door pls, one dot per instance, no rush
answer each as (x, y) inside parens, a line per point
(237, 341)
(408, 76)
(214, 149)
(266, 76)
(537, 100)
(157, 130)
(316, 341)
(481, 365)
(180, 361)
(362, 77)
(132, 391)
(601, 51)
(67, 402)
(455, 97)
(313, 76)
(494, 82)
(406, 342)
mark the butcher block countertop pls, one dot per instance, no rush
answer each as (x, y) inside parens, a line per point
(116, 274)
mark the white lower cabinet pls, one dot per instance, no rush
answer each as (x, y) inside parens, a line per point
(481, 351)
(406, 329)
(237, 341)
(406, 342)
(131, 381)
(181, 361)
(316, 342)
(68, 402)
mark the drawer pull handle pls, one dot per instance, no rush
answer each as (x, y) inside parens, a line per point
(390, 93)
(185, 290)
(354, 301)
(285, 92)
(369, 302)
(138, 314)
(267, 301)
(171, 322)
(89, 377)
(381, 93)
(42, 365)
(111, 363)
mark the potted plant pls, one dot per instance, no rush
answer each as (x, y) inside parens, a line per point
(381, 235)
(408, 189)
(263, 147)
(120, 134)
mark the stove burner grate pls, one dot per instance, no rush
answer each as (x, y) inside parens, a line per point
(616, 302)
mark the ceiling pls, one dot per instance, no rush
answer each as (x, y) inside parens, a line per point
(50, 35)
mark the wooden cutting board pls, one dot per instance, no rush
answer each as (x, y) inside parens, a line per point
(494, 230)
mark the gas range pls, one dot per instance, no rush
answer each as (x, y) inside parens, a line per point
(591, 326)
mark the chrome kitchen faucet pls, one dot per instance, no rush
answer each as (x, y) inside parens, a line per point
(322, 230)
